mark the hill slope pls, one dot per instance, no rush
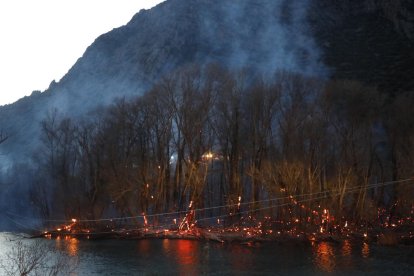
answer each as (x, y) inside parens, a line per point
(371, 41)
(264, 35)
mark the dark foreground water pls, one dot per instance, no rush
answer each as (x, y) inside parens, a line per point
(183, 257)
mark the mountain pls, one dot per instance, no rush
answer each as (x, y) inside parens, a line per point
(370, 40)
(263, 35)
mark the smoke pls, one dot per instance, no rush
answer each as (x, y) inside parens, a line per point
(267, 35)
(17, 209)
(263, 35)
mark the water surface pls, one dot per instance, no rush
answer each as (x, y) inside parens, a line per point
(184, 257)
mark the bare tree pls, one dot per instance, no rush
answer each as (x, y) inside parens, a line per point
(228, 127)
(36, 258)
(353, 112)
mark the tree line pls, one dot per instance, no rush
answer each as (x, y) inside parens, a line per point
(207, 136)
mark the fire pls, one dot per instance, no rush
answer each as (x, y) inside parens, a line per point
(319, 223)
(187, 220)
(145, 219)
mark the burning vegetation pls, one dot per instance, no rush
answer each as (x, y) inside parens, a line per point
(304, 221)
(213, 154)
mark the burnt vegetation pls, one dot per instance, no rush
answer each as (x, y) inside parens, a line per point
(207, 147)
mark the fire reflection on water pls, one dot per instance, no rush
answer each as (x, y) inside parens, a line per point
(72, 245)
(346, 248)
(186, 254)
(144, 247)
(365, 250)
(324, 256)
(68, 244)
(191, 257)
(346, 252)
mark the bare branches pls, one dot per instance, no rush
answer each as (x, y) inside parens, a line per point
(213, 137)
(36, 258)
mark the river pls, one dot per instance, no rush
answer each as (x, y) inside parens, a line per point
(185, 257)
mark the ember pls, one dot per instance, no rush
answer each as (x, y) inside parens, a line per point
(296, 217)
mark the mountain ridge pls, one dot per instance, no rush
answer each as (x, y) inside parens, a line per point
(264, 35)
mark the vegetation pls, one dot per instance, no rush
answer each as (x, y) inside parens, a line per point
(35, 258)
(205, 137)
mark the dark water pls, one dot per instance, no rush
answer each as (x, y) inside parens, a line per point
(183, 257)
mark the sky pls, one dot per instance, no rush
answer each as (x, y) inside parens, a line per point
(42, 39)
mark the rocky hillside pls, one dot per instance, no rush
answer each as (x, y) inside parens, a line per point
(263, 35)
(371, 41)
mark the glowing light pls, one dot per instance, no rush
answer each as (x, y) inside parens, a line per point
(365, 250)
(72, 246)
(59, 229)
(325, 257)
(346, 248)
(207, 156)
(74, 220)
(145, 219)
(346, 224)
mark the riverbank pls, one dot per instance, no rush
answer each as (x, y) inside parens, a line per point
(386, 237)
